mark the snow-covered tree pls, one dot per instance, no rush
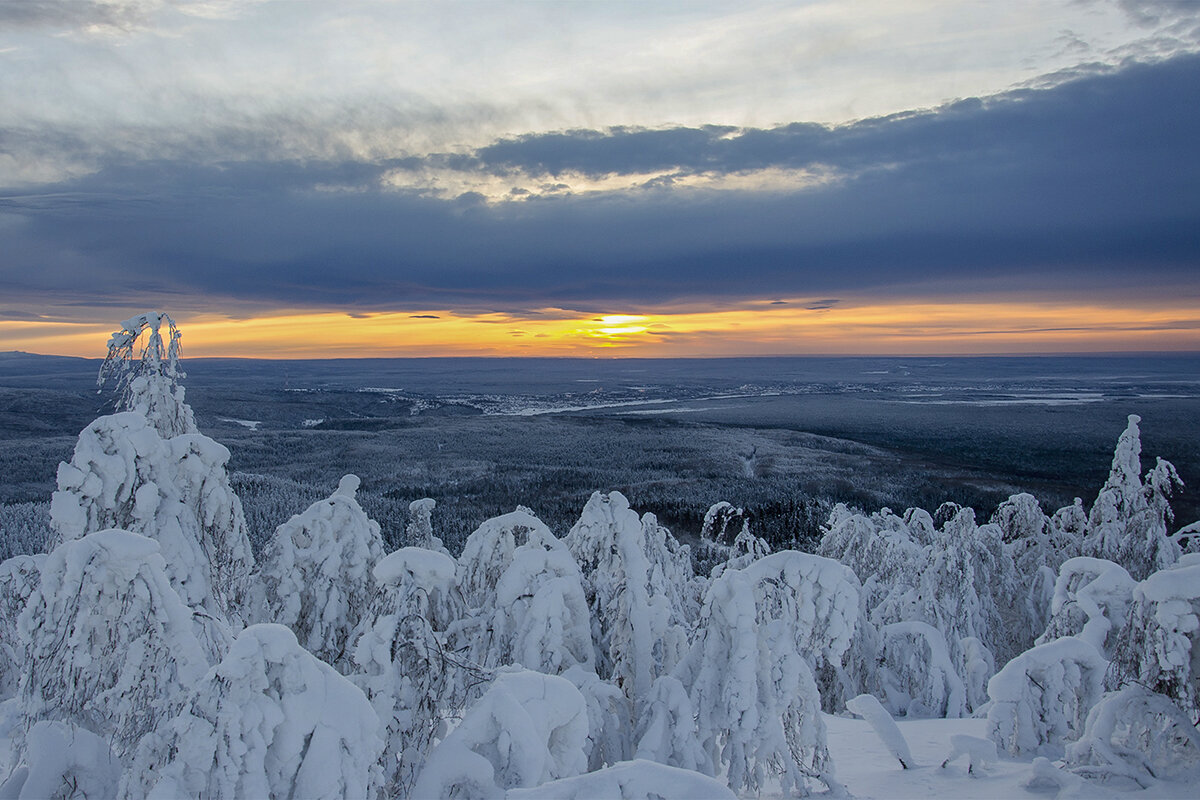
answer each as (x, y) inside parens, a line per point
(1137, 735)
(610, 717)
(316, 573)
(123, 474)
(149, 383)
(666, 732)
(916, 676)
(109, 645)
(1038, 546)
(409, 678)
(1040, 699)
(19, 578)
(1159, 647)
(527, 729)
(877, 548)
(1130, 518)
(488, 552)
(757, 705)
(1091, 600)
(269, 721)
(638, 615)
(531, 610)
(419, 530)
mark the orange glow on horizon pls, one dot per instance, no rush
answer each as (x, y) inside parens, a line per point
(870, 328)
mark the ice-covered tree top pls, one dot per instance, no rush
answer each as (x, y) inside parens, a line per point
(149, 382)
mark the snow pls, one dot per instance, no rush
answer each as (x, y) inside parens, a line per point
(867, 707)
(249, 424)
(269, 721)
(527, 729)
(629, 780)
(427, 569)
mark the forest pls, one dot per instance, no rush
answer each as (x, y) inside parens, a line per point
(178, 628)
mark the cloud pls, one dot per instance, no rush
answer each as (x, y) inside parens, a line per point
(1084, 187)
(423, 316)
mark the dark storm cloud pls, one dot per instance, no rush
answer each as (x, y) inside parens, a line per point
(1088, 186)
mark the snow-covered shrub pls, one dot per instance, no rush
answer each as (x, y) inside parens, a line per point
(1160, 645)
(666, 732)
(1040, 699)
(1128, 521)
(63, 762)
(402, 665)
(629, 780)
(975, 666)
(109, 645)
(315, 575)
(1138, 735)
(150, 385)
(19, 578)
(722, 523)
(1091, 600)
(757, 705)
(916, 675)
(123, 474)
(632, 576)
(527, 729)
(269, 721)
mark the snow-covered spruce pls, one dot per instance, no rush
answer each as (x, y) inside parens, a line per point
(1040, 699)
(1129, 520)
(527, 729)
(109, 645)
(123, 474)
(401, 663)
(1159, 647)
(1091, 600)
(636, 588)
(269, 721)
(758, 710)
(315, 575)
(19, 578)
(629, 780)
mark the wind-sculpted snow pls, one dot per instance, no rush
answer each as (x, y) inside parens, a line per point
(109, 645)
(269, 721)
(316, 573)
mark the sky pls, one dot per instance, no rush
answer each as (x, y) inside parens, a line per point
(303, 179)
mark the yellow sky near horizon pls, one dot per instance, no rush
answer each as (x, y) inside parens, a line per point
(872, 328)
